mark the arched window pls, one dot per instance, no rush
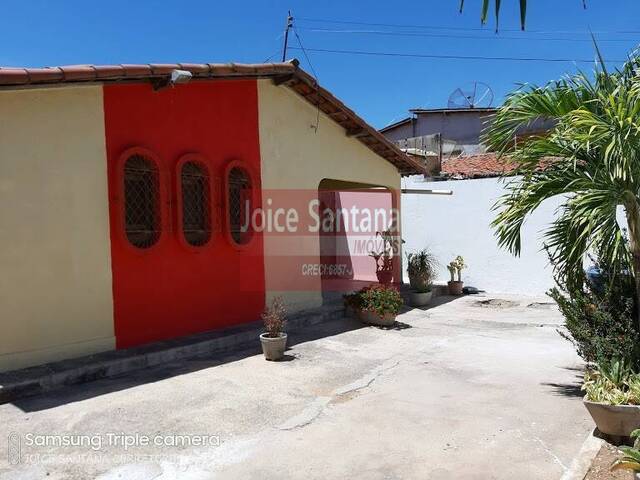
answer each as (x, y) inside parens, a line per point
(239, 205)
(196, 208)
(141, 201)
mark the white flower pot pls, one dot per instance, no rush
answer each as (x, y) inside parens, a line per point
(273, 347)
(615, 420)
(420, 299)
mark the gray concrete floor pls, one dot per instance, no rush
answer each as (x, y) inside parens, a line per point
(459, 390)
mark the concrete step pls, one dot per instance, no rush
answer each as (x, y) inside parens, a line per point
(42, 378)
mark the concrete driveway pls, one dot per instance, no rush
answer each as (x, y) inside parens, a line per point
(463, 389)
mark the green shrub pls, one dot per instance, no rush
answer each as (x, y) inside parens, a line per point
(601, 323)
(380, 299)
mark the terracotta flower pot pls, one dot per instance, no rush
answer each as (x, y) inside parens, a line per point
(455, 288)
(615, 420)
(385, 276)
(372, 318)
(273, 347)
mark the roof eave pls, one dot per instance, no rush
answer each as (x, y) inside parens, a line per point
(287, 74)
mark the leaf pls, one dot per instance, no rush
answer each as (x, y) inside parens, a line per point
(634, 466)
(523, 13)
(485, 11)
(497, 14)
(461, 5)
(603, 65)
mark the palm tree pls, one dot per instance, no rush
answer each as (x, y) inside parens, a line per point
(591, 157)
(523, 11)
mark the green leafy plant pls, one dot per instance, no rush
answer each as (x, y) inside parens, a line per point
(589, 159)
(275, 318)
(630, 459)
(613, 383)
(421, 267)
(600, 323)
(455, 267)
(380, 299)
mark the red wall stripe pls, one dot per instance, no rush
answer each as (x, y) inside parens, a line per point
(171, 290)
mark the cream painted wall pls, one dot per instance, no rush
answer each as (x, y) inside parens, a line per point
(55, 285)
(296, 156)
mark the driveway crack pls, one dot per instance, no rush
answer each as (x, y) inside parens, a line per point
(319, 404)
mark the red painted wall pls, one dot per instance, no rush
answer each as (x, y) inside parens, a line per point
(171, 290)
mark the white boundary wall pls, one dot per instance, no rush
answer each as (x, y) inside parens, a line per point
(459, 225)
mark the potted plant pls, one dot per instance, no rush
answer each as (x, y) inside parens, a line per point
(421, 268)
(274, 339)
(455, 269)
(630, 459)
(352, 304)
(613, 398)
(380, 304)
(384, 257)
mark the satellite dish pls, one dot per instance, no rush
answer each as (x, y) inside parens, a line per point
(472, 95)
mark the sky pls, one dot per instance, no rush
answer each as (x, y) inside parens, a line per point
(380, 88)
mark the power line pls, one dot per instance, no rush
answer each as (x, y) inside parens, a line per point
(295, 31)
(439, 27)
(451, 57)
(313, 70)
(451, 35)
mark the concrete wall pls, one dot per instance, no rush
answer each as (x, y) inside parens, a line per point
(296, 156)
(463, 127)
(55, 286)
(459, 225)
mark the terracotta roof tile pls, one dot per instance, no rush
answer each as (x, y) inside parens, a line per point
(476, 166)
(295, 78)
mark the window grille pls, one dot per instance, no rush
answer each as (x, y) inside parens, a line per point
(196, 210)
(239, 193)
(141, 201)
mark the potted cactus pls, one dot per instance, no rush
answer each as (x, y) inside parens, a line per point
(455, 270)
(274, 339)
(421, 268)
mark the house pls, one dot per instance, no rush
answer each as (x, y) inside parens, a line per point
(459, 126)
(123, 191)
(448, 132)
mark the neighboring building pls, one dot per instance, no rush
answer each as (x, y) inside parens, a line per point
(121, 195)
(461, 126)
(442, 133)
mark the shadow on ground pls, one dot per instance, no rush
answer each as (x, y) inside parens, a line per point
(76, 393)
(573, 389)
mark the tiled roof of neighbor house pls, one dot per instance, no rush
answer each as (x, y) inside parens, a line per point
(286, 73)
(482, 165)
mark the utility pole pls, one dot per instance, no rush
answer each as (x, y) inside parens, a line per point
(286, 36)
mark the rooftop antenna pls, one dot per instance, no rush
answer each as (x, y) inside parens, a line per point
(472, 95)
(286, 36)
